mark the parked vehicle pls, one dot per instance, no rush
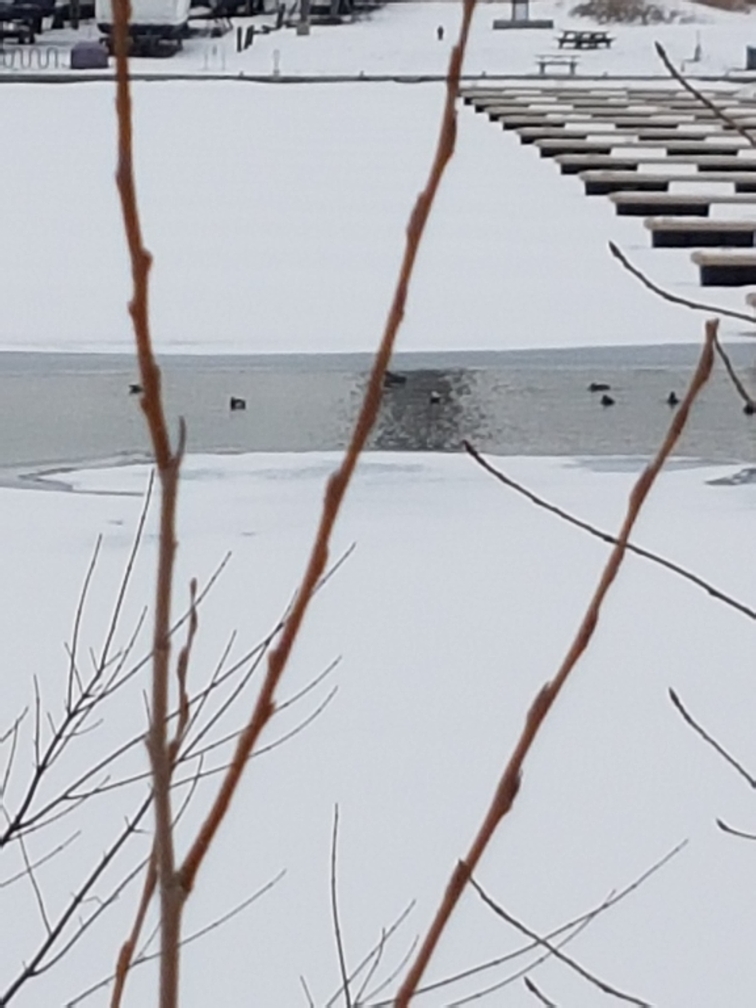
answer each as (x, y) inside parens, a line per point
(157, 27)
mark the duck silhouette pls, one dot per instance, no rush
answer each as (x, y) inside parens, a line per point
(597, 386)
(237, 404)
(672, 399)
(606, 400)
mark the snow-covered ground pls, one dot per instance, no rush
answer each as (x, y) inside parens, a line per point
(276, 212)
(453, 609)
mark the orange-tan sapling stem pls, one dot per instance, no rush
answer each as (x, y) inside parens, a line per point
(338, 483)
(168, 465)
(509, 784)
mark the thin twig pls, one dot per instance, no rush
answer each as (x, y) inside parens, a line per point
(182, 670)
(127, 571)
(509, 783)
(675, 298)
(10, 732)
(4, 883)
(386, 934)
(73, 675)
(37, 726)
(13, 734)
(30, 873)
(377, 956)
(143, 957)
(556, 952)
(36, 964)
(716, 746)
(126, 953)
(606, 537)
(734, 832)
(335, 912)
(536, 992)
(397, 971)
(306, 989)
(734, 378)
(572, 928)
(718, 112)
(125, 956)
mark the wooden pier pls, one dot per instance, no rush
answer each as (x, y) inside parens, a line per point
(672, 232)
(720, 269)
(655, 152)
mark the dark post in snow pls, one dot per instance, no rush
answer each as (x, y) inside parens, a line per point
(303, 28)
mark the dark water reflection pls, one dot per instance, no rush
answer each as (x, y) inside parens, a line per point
(515, 410)
(430, 412)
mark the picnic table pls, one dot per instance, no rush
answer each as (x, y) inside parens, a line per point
(550, 59)
(584, 39)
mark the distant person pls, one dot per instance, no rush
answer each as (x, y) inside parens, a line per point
(440, 33)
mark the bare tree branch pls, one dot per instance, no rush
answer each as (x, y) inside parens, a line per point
(675, 298)
(369, 959)
(36, 964)
(335, 912)
(606, 537)
(735, 832)
(556, 952)
(306, 989)
(4, 883)
(12, 733)
(718, 112)
(571, 929)
(509, 784)
(339, 482)
(539, 995)
(143, 957)
(29, 871)
(73, 675)
(742, 391)
(710, 740)
(127, 572)
(168, 462)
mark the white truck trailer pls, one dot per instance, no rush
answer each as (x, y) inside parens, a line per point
(156, 27)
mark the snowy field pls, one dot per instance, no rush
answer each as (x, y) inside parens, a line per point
(453, 609)
(276, 212)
